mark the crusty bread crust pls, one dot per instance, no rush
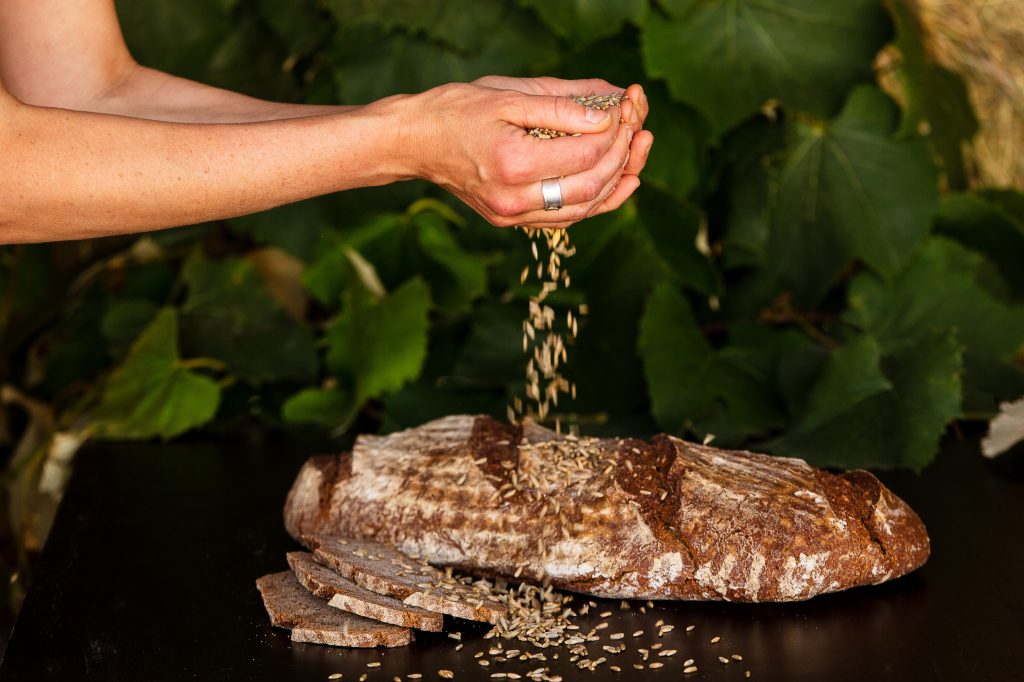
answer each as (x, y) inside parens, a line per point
(620, 518)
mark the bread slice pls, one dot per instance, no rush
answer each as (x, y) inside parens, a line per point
(342, 593)
(612, 517)
(386, 571)
(291, 606)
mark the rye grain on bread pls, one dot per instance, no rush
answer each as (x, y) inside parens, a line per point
(381, 569)
(620, 518)
(310, 619)
(342, 593)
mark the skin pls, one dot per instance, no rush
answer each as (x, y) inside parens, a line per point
(95, 144)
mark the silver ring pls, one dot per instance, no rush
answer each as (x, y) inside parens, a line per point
(551, 188)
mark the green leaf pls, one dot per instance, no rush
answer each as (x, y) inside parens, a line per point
(421, 242)
(694, 387)
(380, 346)
(940, 292)
(729, 58)
(177, 36)
(492, 355)
(988, 229)
(249, 59)
(673, 227)
(456, 277)
(848, 190)
(615, 267)
(674, 164)
(851, 375)
(464, 24)
(330, 408)
(124, 321)
(296, 228)
(899, 427)
(936, 98)
(298, 23)
(584, 21)
(371, 64)
(152, 394)
(230, 316)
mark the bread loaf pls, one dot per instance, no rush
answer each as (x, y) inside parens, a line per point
(619, 518)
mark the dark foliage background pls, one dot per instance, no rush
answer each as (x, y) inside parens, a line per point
(804, 270)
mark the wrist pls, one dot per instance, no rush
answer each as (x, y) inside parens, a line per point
(401, 136)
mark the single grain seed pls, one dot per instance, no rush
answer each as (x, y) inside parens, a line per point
(723, 659)
(446, 674)
(690, 669)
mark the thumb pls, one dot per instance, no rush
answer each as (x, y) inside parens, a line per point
(562, 114)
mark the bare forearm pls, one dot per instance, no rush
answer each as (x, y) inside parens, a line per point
(141, 92)
(69, 175)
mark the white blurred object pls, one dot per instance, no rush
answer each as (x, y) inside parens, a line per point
(1005, 430)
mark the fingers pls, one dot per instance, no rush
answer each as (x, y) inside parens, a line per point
(579, 188)
(638, 98)
(583, 86)
(560, 113)
(639, 150)
(627, 185)
(527, 159)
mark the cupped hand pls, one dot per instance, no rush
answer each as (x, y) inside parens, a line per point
(634, 111)
(472, 140)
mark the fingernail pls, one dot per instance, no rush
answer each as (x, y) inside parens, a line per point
(629, 133)
(596, 115)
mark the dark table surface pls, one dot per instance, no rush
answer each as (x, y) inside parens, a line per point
(148, 575)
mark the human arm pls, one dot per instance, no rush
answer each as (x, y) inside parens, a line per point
(69, 174)
(70, 54)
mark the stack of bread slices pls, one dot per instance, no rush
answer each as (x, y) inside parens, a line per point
(358, 593)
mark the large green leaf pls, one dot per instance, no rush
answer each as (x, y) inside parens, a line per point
(380, 345)
(936, 98)
(694, 387)
(178, 36)
(123, 323)
(152, 393)
(989, 229)
(421, 241)
(230, 316)
(327, 407)
(849, 191)
(939, 292)
(296, 228)
(371, 64)
(681, 132)
(868, 427)
(673, 226)
(584, 21)
(465, 24)
(851, 375)
(728, 58)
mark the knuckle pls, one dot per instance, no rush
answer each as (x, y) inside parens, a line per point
(512, 168)
(504, 205)
(590, 155)
(591, 188)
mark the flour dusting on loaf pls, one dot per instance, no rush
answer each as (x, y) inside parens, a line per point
(620, 518)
